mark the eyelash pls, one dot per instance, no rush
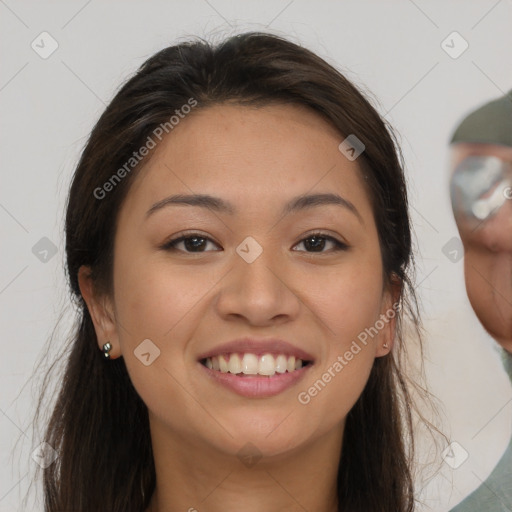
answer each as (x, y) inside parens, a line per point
(171, 244)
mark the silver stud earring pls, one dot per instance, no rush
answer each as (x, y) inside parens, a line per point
(106, 349)
(385, 345)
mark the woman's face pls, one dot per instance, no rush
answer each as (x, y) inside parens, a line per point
(253, 270)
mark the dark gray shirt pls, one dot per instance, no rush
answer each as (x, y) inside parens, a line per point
(495, 494)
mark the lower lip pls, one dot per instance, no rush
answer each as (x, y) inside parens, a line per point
(256, 386)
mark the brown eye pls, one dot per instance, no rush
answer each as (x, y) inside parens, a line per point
(317, 242)
(194, 243)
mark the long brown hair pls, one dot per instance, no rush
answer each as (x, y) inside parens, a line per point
(99, 425)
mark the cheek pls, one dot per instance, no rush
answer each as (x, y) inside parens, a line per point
(329, 397)
(155, 301)
(162, 302)
(350, 311)
(351, 300)
(489, 289)
(153, 297)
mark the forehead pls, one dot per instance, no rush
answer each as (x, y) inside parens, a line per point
(462, 150)
(251, 156)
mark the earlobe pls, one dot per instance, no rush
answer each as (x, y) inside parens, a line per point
(388, 317)
(101, 314)
(386, 344)
(387, 337)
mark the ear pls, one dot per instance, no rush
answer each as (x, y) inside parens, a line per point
(101, 311)
(390, 310)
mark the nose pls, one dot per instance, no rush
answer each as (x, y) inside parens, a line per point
(495, 234)
(262, 292)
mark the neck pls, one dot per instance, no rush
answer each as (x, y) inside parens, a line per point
(191, 477)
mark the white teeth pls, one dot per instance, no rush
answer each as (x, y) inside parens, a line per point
(223, 364)
(250, 364)
(235, 364)
(281, 363)
(267, 365)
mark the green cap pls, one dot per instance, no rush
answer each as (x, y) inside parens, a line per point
(489, 124)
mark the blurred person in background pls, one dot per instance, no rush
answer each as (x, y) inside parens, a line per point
(481, 196)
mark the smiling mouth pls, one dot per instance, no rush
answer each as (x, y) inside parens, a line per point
(248, 364)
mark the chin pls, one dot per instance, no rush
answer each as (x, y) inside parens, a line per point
(505, 340)
(487, 310)
(269, 438)
(498, 329)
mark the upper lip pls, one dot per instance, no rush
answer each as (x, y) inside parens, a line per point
(258, 347)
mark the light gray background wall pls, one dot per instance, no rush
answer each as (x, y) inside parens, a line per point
(393, 49)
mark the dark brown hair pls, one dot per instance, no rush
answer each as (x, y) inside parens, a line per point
(99, 425)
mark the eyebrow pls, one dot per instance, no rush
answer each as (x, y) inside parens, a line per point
(219, 205)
